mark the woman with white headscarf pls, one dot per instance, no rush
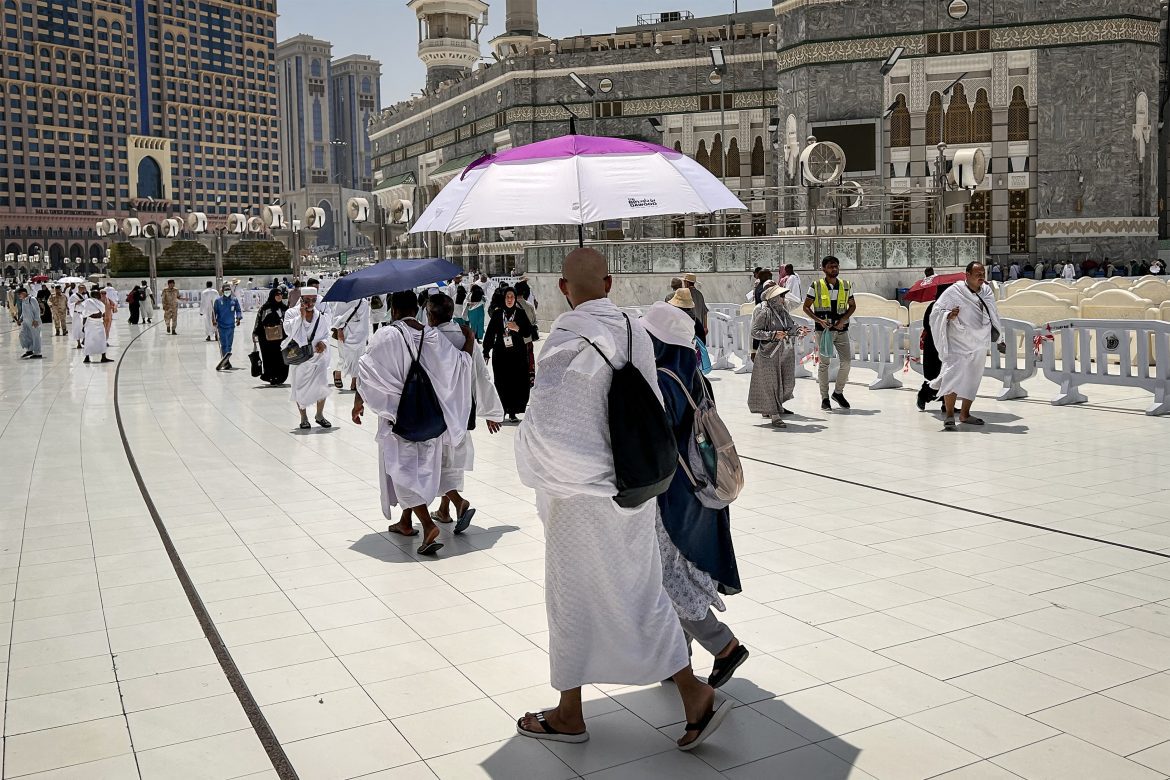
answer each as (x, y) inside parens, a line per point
(774, 373)
(307, 325)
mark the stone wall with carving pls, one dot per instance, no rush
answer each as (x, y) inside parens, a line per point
(1086, 129)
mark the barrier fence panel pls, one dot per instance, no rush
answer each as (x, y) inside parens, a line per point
(1109, 352)
(719, 347)
(1018, 363)
(741, 339)
(806, 347)
(877, 346)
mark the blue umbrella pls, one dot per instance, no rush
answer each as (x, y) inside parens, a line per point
(390, 276)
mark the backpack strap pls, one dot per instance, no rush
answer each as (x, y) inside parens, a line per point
(683, 387)
(414, 358)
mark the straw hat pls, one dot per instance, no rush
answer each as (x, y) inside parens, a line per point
(682, 299)
(772, 290)
(669, 324)
(691, 278)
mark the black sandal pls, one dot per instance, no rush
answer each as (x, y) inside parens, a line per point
(324, 423)
(305, 425)
(548, 733)
(723, 668)
(708, 725)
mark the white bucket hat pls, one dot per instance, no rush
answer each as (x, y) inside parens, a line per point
(669, 324)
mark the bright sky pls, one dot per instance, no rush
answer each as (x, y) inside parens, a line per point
(387, 30)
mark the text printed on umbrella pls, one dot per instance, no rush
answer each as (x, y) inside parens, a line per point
(642, 203)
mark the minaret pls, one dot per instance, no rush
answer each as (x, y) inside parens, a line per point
(521, 28)
(448, 37)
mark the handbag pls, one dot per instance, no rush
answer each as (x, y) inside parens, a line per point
(273, 333)
(295, 354)
(255, 358)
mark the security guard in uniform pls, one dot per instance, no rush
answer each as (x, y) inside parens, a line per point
(830, 304)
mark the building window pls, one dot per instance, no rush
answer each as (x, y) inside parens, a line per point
(958, 118)
(900, 124)
(678, 227)
(758, 157)
(734, 227)
(934, 120)
(1018, 221)
(701, 156)
(900, 217)
(981, 119)
(759, 225)
(717, 156)
(733, 161)
(1018, 118)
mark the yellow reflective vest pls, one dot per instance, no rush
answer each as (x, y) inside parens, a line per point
(822, 301)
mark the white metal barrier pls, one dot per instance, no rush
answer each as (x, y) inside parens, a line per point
(727, 337)
(1018, 363)
(876, 345)
(1088, 348)
(729, 309)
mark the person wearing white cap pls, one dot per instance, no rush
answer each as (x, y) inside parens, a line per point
(774, 374)
(309, 326)
(694, 541)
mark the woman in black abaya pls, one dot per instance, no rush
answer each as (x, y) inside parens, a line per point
(505, 345)
(268, 334)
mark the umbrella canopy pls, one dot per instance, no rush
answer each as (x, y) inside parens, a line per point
(926, 288)
(39, 278)
(574, 180)
(70, 280)
(391, 276)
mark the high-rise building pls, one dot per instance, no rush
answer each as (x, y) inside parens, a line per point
(357, 96)
(325, 151)
(118, 107)
(305, 116)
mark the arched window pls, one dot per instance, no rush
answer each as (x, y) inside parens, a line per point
(149, 179)
(958, 119)
(366, 84)
(758, 157)
(900, 124)
(315, 69)
(981, 119)
(1018, 118)
(678, 146)
(318, 131)
(717, 156)
(934, 119)
(733, 158)
(701, 156)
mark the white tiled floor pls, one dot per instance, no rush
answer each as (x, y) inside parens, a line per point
(892, 637)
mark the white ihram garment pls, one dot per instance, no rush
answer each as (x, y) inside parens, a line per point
(409, 471)
(356, 329)
(93, 335)
(458, 459)
(75, 322)
(609, 618)
(309, 380)
(962, 342)
(206, 308)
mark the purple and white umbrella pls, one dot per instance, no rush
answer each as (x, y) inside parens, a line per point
(575, 180)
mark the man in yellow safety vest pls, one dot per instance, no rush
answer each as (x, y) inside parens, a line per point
(830, 304)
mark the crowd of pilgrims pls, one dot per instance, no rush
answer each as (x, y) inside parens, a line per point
(628, 590)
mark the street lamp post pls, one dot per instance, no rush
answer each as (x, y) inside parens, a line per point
(719, 63)
(339, 146)
(885, 70)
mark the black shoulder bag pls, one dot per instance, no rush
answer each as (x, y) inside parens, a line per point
(645, 452)
(295, 354)
(420, 417)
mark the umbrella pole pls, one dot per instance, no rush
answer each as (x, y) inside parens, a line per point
(580, 234)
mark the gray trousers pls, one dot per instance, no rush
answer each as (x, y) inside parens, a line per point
(30, 338)
(711, 635)
(844, 352)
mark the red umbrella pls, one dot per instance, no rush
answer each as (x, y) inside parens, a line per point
(39, 278)
(926, 289)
